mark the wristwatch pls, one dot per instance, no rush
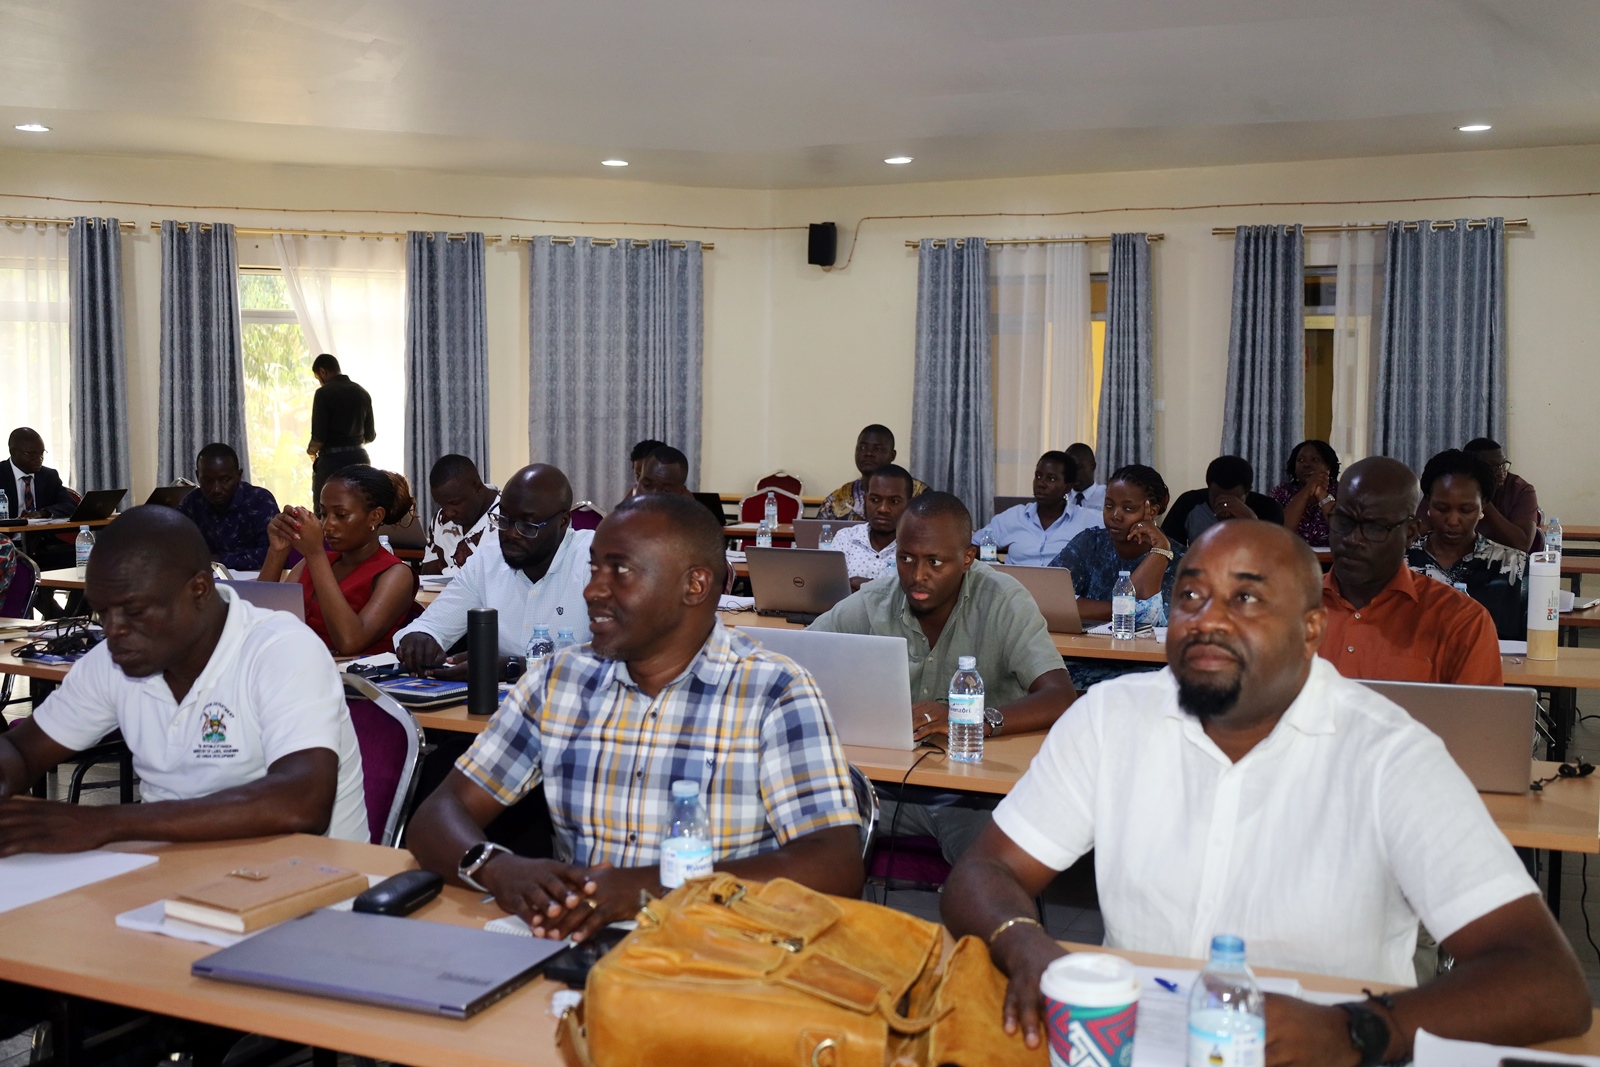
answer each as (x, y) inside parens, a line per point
(1369, 1033)
(475, 859)
(994, 720)
(515, 666)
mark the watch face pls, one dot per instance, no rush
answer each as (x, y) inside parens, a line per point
(475, 855)
(993, 717)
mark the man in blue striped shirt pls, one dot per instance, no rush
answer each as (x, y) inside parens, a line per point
(664, 693)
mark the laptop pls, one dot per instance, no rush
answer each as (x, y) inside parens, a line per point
(865, 680)
(1052, 591)
(410, 964)
(97, 505)
(808, 532)
(169, 495)
(413, 533)
(712, 502)
(274, 596)
(1487, 729)
(797, 583)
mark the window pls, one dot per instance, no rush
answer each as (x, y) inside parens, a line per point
(35, 361)
(278, 386)
(1321, 299)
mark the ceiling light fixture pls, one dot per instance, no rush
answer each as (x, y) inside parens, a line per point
(32, 127)
(898, 161)
(613, 162)
(1475, 127)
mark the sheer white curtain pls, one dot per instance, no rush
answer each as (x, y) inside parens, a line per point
(350, 297)
(35, 361)
(1358, 303)
(1042, 364)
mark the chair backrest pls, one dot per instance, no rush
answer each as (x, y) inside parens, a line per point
(391, 757)
(780, 480)
(752, 507)
(17, 600)
(585, 516)
(1005, 503)
(866, 805)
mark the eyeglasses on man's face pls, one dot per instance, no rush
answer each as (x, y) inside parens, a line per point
(522, 527)
(1371, 530)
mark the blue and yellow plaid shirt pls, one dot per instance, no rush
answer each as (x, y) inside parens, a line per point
(747, 724)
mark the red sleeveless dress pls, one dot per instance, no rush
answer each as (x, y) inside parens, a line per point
(357, 589)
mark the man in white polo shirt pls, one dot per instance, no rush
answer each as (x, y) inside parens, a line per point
(532, 573)
(235, 715)
(1250, 789)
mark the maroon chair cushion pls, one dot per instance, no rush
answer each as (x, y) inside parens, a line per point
(382, 741)
(14, 604)
(584, 519)
(908, 859)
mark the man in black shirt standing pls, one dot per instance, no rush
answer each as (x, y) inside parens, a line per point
(341, 424)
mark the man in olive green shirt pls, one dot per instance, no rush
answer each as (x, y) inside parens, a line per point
(946, 605)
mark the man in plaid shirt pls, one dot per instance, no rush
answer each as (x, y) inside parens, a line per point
(665, 692)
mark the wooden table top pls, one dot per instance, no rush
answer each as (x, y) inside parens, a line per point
(1571, 565)
(61, 578)
(1580, 533)
(71, 944)
(52, 527)
(9, 664)
(749, 529)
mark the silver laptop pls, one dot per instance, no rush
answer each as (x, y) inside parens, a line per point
(808, 532)
(274, 596)
(796, 581)
(1052, 591)
(411, 964)
(1487, 729)
(866, 681)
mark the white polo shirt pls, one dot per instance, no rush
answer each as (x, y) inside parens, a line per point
(1322, 847)
(487, 581)
(269, 690)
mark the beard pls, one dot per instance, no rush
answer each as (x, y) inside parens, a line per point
(1207, 701)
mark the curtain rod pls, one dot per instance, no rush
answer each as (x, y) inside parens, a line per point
(611, 242)
(24, 221)
(1439, 224)
(961, 241)
(252, 231)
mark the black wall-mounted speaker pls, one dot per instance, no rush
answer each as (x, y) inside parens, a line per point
(823, 244)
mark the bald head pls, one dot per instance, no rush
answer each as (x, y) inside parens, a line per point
(535, 502)
(538, 487)
(1380, 481)
(27, 449)
(1373, 522)
(152, 542)
(1280, 556)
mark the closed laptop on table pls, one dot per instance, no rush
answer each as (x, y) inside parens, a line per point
(1487, 729)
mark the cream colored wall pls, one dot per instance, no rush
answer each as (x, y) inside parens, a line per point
(798, 359)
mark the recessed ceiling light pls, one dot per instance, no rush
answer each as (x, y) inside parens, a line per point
(1475, 127)
(613, 162)
(32, 127)
(898, 161)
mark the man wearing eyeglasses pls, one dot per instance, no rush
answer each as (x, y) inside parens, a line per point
(1385, 622)
(532, 573)
(1511, 516)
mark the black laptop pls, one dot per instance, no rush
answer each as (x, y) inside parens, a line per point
(97, 505)
(170, 495)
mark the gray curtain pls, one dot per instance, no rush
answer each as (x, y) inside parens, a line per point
(99, 358)
(202, 361)
(1265, 412)
(952, 406)
(447, 355)
(1128, 381)
(1442, 346)
(614, 357)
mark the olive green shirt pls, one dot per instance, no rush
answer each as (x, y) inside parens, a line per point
(995, 620)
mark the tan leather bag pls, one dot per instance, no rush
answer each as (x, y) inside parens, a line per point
(727, 972)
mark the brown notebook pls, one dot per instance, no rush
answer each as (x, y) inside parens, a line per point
(249, 898)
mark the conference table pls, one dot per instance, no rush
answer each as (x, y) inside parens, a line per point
(54, 526)
(70, 944)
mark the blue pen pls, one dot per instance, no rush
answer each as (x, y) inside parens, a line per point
(1170, 987)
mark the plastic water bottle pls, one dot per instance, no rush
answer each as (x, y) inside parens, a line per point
(539, 646)
(764, 533)
(770, 513)
(1461, 587)
(686, 847)
(966, 712)
(1227, 1015)
(565, 639)
(988, 551)
(1552, 538)
(383, 540)
(825, 539)
(5, 505)
(84, 546)
(1123, 602)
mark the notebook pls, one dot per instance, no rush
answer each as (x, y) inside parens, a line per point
(249, 898)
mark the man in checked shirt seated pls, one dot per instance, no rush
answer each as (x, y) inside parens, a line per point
(665, 692)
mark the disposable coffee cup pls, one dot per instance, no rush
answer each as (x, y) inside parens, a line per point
(1091, 1001)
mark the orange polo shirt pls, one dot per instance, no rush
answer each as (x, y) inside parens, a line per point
(1416, 629)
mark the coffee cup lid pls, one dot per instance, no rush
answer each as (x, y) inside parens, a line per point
(1091, 980)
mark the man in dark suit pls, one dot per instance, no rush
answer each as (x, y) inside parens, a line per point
(341, 424)
(36, 492)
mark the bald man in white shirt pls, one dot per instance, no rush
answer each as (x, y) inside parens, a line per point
(1250, 789)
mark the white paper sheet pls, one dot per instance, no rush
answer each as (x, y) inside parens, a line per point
(1513, 648)
(1161, 1034)
(1104, 630)
(34, 876)
(1431, 1051)
(735, 603)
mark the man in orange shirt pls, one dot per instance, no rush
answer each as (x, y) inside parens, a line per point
(1384, 621)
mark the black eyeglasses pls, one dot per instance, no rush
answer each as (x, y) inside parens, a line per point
(524, 529)
(1371, 531)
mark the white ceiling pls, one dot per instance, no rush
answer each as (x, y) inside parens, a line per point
(778, 93)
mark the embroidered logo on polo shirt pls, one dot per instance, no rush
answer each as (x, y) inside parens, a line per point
(214, 722)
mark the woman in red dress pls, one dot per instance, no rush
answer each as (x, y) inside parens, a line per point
(357, 592)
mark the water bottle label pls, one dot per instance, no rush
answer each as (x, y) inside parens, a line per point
(966, 709)
(683, 858)
(1227, 1048)
(988, 553)
(83, 556)
(1123, 605)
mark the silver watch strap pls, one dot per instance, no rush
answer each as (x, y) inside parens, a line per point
(490, 850)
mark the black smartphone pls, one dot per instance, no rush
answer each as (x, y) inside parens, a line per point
(572, 965)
